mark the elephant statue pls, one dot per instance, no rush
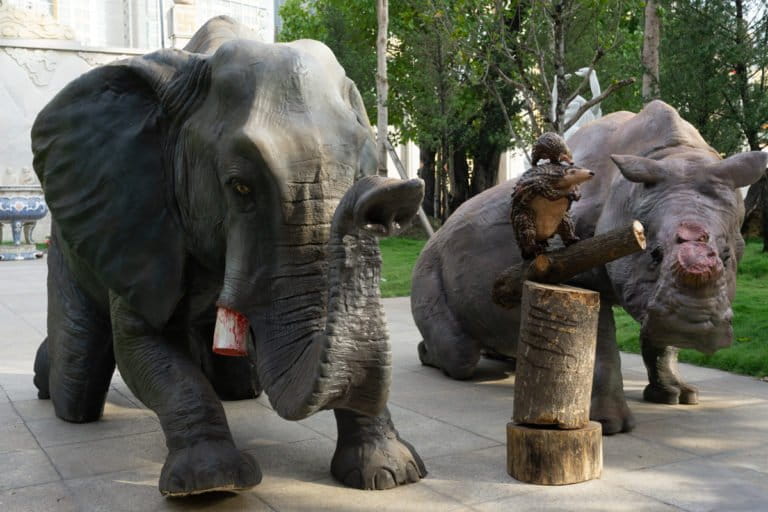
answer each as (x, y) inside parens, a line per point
(233, 176)
(651, 166)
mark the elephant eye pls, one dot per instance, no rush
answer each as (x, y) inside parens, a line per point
(242, 189)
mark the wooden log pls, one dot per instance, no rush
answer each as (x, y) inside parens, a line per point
(555, 355)
(554, 457)
(562, 264)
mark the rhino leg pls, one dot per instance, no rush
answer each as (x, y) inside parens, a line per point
(445, 344)
(370, 454)
(665, 385)
(609, 406)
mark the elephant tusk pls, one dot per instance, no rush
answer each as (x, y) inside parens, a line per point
(230, 334)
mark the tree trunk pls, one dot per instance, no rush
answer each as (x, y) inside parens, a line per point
(754, 204)
(382, 13)
(460, 191)
(555, 355)
(651, 40)
(485, 170)
(558, 26)
(554, 457)
(427, 173)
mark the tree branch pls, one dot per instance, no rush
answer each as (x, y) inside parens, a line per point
(594, 101)
(598, 55)
(505, 113)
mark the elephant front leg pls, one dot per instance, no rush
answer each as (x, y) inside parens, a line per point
(370, 454)
(201, 453)
(665, 385)
(609, 406)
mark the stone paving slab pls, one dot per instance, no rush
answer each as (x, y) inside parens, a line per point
(713, 456)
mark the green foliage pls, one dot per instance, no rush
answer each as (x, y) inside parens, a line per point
(348, 28)
(713, 69)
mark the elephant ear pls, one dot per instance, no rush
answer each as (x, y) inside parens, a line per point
(99, 154)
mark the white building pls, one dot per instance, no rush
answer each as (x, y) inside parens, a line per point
(45, 44)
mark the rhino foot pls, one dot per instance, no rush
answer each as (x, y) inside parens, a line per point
(208, 466)
(371, 455)
(672, 394)
(459, 366)
(613, 414)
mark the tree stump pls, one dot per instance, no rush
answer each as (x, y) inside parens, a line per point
(552, 441)
(549, 456)
(555, 355)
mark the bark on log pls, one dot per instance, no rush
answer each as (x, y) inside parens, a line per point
(555, 355)
(554, 457)
(562, 264)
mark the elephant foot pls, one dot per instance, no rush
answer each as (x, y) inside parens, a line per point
(206, 467)
(370, 454)
(42, 371)
(671, 394)
(613, 413)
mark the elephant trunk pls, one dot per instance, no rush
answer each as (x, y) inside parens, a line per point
(343, 360)
(251, 259)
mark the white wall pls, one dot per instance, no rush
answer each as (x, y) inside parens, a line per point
(39, 55)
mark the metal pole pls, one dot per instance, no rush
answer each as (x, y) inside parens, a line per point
(161, 18)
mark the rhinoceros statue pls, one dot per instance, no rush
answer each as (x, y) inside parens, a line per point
(651, 166)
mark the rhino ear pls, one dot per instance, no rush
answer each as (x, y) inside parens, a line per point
(639, 169)
(98, 151)
(743, 169)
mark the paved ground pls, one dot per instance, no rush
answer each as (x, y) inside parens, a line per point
(713, 456)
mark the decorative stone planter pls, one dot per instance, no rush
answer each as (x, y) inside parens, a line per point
(22, 207)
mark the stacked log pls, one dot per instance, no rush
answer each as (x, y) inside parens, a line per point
(551, 440)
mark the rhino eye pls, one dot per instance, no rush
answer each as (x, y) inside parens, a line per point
(725, 255)
(657, 255)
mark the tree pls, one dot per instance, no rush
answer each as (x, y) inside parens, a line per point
(382, 90)
(538, 43)
(651, 40)
(455, 71)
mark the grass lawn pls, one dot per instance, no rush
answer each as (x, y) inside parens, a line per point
(398, 257)
(748, 355)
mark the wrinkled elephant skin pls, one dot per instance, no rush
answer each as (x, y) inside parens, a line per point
(652, 166)
(233, 176)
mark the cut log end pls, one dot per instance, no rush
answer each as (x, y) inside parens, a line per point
(554, 457)
(639, 231)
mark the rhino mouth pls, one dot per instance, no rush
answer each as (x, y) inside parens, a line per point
(686, 319)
